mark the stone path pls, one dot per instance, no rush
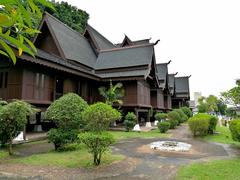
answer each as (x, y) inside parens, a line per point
(141, 162)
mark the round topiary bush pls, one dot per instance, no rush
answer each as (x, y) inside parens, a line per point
(174, 116)
(183, 117)
(187, 111)
(173, 123)
(66, 112)
(60, 137)
(235, 129)
(160, 116)
(98, 116)
(130, 121)
(212, 121)
(198, 125)
(163, 126)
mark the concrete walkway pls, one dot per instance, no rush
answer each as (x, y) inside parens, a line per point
(141, 162)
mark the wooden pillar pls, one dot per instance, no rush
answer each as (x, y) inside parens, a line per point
(24, 133)
(136, 113)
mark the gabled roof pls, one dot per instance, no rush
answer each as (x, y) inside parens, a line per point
(182, 84)
(125, 57)
(73, 45)
(129, 42)
(100, 41)
(171, 82)
(162, 73)
(95, 55)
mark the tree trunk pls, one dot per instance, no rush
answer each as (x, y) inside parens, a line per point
(10, 150)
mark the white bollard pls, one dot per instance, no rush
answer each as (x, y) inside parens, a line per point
(19, 137)
(137, 128)
(148, 124)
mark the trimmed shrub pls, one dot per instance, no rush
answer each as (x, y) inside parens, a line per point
(212, 121)
(13, 118)
(66, 111)
(97, 144)
(130, 121)
(235, 129)
(212, 124)
(187, 111)
(174, 116)
(198, 126)
(98, 116)
(163, 126)
(60, 138)
(183, 117)
(173, 123)
(160, 116)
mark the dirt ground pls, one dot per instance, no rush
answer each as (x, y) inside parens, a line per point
(141, 162)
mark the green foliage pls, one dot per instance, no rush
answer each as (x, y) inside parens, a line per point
(163, 126)
(60, 138)
(232, 96)
(71, 15)
(16, 24)
(235, 129)
(198, 126)
(13, 118)
(211, 119)
(211, 104)
(113, 94)
(202, 108)
(66, 111)
(130, 121)
(97, 144)
(212, 124)
(183, 117)
(174, 116)
(187, 111)
(160, 116)
(98, 116)
(173, 123)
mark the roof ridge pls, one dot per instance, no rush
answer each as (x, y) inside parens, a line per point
(183, 77)
(127, 47)
(62, 23)
(100, 34)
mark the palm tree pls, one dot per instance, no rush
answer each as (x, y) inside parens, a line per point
(113, 94)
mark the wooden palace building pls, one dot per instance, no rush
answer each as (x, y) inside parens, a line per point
(68, 61)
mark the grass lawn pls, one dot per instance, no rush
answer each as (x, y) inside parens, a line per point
(215, 170)
(151, 134)
(3, 154)
(224, 136)
(69, 159)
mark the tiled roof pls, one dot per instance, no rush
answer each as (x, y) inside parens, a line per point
(162, 73)
(74, 46)
(102, 42)
(125, 57)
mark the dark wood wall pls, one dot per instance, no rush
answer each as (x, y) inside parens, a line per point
(10, 80)
(143, 93)
(130, 90)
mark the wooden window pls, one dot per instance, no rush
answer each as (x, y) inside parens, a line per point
(39, 86)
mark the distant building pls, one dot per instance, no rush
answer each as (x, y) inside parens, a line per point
(197, 95)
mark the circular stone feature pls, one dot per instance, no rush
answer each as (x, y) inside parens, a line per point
(170, 146)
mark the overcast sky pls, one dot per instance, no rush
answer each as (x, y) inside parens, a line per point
(201, 37)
